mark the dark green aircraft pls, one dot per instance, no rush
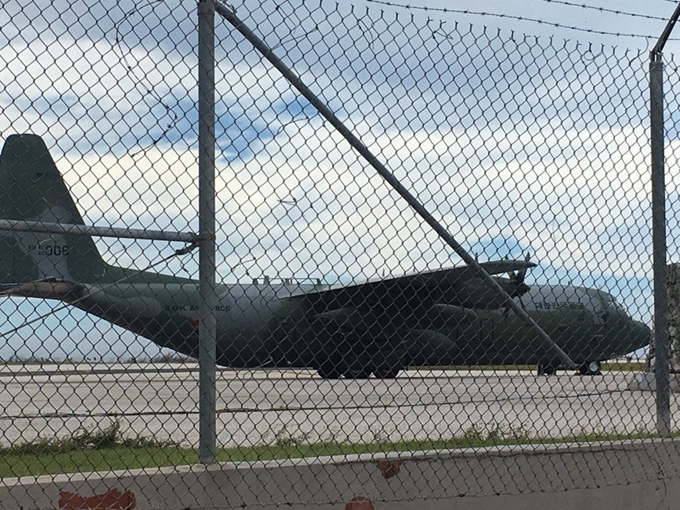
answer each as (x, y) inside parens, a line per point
(379, 326)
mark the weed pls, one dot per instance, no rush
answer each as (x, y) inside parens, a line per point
(283, 438)
(84, 439)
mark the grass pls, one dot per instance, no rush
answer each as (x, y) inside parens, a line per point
(623, 366)
(89, 450)
(107, 449)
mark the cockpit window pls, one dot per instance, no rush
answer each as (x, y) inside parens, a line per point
(610, 300)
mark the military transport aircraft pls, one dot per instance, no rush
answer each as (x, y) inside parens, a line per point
(378, 326)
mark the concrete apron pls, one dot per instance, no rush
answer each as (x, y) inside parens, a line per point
(642, 474)
(646, 381)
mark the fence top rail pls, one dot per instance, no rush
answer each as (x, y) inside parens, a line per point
(87, 230)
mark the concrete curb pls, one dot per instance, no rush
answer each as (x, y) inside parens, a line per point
(635, 474)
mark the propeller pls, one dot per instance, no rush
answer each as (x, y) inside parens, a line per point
(518, 277)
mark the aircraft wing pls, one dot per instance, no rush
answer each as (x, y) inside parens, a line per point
(436, 285)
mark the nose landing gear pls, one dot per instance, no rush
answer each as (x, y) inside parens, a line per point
(592, 368)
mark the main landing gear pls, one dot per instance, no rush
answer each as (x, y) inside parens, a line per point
(356, 355)
(546, 369)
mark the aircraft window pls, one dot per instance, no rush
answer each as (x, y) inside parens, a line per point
(620, 306)
(611, 300)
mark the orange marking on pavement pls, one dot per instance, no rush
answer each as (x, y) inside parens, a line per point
(359, 503)
(389, 468)
(110, 500)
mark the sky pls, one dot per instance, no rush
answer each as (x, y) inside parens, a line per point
(518, 136)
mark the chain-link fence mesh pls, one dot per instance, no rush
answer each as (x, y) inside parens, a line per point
(345, 324)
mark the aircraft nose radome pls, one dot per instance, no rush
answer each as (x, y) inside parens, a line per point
(644, 334)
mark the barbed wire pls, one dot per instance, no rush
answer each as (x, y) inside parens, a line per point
(607, 10)
(291, 37)
(147, 90)
(516, 18)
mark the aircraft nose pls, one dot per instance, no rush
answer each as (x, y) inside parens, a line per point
(642, 334)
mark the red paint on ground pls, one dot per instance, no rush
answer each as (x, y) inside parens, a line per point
(111, 500)
(389, 468)
(359, 503)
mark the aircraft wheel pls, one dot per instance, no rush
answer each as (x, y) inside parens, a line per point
(329, 372)
(548, 369)
(592, 368)
(387, 373)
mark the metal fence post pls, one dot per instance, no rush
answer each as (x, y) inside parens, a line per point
(661, 338)
(662, 373)
(206, 190)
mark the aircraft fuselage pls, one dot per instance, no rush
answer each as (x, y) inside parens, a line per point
(261, 325)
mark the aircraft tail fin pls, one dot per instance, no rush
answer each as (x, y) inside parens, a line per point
(32, 189)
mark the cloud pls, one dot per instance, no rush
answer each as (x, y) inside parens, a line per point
(514, 143)
(342, 209)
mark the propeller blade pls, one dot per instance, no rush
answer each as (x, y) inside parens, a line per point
(512, 275)
(522, 273)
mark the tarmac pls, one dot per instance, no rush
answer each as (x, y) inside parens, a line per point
(292, 406)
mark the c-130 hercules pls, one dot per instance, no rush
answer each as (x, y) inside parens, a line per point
(379, 326)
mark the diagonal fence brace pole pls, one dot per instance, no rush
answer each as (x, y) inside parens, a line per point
(229, 14)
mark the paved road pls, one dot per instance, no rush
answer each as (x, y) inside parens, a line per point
(274, 405)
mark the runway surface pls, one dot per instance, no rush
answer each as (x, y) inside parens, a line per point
(279, 406)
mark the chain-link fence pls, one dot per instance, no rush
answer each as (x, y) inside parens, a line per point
(345, 323)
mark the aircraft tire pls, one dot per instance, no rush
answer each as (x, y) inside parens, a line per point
(390, 373)
(590, 369)
(546, 369)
